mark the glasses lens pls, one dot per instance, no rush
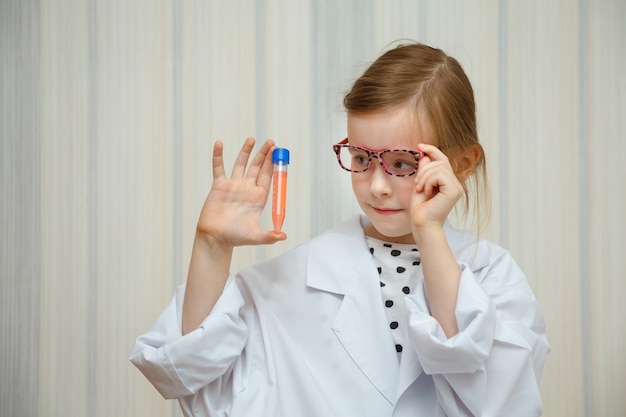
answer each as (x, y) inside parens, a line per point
(399, 163)
(354, 159)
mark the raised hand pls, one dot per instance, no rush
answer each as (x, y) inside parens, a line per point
(230, 217)
(231, 212)
(437, 189)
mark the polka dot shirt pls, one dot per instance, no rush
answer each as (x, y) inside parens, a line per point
(397, 267)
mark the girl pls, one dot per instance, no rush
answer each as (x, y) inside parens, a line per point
(393, 313)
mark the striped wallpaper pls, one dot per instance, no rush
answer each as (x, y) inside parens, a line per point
(108, 113)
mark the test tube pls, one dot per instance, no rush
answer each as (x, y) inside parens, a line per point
(280, 159)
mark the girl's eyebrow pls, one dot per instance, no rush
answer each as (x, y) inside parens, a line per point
(388, 149)
(346, 141)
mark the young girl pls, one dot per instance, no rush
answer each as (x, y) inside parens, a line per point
(393, 313)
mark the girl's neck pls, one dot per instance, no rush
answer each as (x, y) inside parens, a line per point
(405, 239)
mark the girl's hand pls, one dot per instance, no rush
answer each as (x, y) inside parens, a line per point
(232, 210)
(437, 190)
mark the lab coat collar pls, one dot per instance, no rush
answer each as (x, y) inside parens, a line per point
(349, 249)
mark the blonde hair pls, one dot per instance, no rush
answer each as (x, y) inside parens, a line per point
(427, 79)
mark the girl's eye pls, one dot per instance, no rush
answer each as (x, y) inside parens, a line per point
(359, 158)
(401, 163)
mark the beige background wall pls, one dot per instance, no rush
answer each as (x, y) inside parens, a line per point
(109, 108)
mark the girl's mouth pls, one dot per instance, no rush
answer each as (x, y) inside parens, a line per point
(385, 211)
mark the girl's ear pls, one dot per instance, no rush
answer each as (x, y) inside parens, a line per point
(466, 161)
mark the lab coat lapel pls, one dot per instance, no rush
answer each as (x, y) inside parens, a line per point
(410, 370)
(340, 262)
(358, 325)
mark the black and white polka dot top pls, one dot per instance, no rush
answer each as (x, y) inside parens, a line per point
(397, 266)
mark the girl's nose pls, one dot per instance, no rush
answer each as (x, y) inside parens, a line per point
(379, 180)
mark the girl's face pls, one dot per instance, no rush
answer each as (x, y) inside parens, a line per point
(385, 199)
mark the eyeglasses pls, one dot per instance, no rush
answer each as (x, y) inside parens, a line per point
(398, 162)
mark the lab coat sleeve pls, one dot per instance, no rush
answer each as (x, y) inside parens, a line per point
(180, 365)
(492, 367)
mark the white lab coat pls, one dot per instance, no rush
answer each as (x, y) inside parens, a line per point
(305, 334)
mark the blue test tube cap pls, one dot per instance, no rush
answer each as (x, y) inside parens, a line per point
(280, 154)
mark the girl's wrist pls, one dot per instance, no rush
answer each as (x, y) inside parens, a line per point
(426, 234)
(207, 243)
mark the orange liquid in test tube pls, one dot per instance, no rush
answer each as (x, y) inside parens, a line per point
(280, 158)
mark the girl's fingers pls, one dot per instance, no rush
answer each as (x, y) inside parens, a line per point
(264, 178)
(239, 168)
(271, 237)
(433, 174)
(428, 182)
(432, 152)
(218, 160)
(259, 162)
(259, 172)
(423, 162)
